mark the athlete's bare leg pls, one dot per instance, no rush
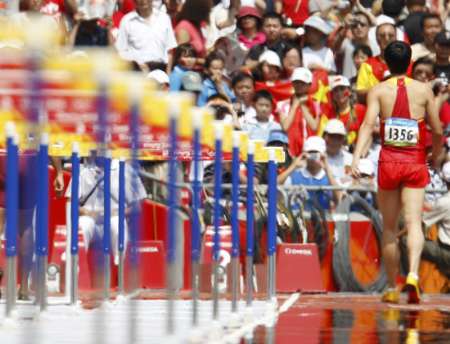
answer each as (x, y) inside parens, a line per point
(390, 206)
(412, 200)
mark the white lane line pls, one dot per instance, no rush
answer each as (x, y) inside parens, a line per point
(268, 318)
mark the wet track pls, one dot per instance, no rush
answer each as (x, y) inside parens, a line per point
(356, 318)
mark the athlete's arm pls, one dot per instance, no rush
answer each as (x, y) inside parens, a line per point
(366, 129)
(432, 117)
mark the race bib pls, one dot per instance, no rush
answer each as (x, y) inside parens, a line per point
(401, 132)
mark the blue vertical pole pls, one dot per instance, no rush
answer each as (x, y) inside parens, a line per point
(41, 245)
(74, 201)
(12, 207)
(235, 164)
(12, 196)
(250, 223)
(121, 244)
(172, 217)
(217, 215)
(107, 207)
(272, 224)
(196, 230)
(74, 216)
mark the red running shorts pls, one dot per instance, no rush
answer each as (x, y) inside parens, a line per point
(393, 175)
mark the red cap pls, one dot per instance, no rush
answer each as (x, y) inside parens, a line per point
(248, 11)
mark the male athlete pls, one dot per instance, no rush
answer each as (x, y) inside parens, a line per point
(405, 106)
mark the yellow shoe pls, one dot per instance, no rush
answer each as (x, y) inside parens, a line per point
(391, 295)
(412, 288)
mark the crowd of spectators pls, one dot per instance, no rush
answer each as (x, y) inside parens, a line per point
(300, 69)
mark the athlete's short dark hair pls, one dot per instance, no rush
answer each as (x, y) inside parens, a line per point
(397, 56)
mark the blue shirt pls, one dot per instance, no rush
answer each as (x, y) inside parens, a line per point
(303, 177)
(209, 89)
(175, 78)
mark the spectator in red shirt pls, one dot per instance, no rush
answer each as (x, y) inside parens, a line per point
(340, 107)
(249, 22)
(295, 113)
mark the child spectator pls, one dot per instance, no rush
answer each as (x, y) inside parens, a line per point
(311, 168)
(244, 88)
(184, 59)
(295, 113)
(260, 128)
(339, 159)
(214, 83)
(360, 55)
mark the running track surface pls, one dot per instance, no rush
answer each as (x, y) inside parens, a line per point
(322, 318)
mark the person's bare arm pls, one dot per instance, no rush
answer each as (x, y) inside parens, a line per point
(182, 36)
(298, 162)
(58, 183)
(337, 194)
(232, 12)
(365, 132)
(432, 117)
(311, 121)
(286, 121)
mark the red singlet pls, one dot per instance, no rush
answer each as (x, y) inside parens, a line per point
(402, 157)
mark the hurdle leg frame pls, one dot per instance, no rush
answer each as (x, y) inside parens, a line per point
(195, 291)
(42, 282)
(106, 276)
(74, 279)
(249, 279)
(121, 273)
(234, 283)
(11, 282)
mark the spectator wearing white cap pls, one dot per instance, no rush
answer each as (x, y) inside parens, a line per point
(160, 78)
(342, 107)
(439, 251)
(311, 168)
(316, 54)
(339, 159)
(269, 67)
(296, 115)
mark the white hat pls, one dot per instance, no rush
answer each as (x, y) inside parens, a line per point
(446, 171)
(335, 126)
(302, 74)
(271, 57)
(318, 23)
(338, 80)
(365, 166)
(384, 19)
(314, 144)
(159, 76)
